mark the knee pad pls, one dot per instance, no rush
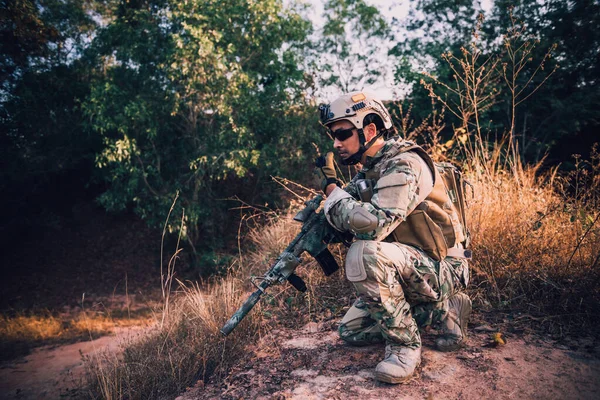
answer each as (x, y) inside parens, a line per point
(355, 266)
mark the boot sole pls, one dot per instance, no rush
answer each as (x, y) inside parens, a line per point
(392, 379)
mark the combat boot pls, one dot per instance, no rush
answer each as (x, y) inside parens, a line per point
(454, 326)
(399, 364)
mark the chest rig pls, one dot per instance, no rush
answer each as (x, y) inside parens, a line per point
(434, 225)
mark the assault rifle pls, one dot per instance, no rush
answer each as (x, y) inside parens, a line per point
(314, 237)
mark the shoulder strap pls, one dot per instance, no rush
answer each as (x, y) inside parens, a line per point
(406, 146)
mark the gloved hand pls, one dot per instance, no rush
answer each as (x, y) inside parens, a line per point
(327, 167)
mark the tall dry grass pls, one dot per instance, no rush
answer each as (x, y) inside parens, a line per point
(533, 251)
(536, 245)
(185, 344)
(536, 237)
(183, 347)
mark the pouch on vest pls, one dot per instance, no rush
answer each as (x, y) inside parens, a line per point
(438, 223)
(365, 190)
(421, 231)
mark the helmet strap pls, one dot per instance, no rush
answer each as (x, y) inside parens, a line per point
(364, 146)
(361, 137)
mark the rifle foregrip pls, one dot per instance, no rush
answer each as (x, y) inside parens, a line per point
(297, 283)
(241, 313)
(327, 262)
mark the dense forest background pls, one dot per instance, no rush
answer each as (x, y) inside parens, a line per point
(130, 104)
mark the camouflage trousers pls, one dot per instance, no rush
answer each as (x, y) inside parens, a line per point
(400, 288)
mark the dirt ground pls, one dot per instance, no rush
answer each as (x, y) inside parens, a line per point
(55, 372)
(93, 261)
(315, 364)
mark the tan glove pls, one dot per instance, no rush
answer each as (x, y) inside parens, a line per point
(327, 167)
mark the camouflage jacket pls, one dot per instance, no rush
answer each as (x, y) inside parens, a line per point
(401, 180)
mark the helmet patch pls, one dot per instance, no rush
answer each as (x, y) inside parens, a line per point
(358, 97)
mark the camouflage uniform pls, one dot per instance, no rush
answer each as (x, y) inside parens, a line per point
(400, 287)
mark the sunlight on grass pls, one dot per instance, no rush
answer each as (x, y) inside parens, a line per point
(20, 333)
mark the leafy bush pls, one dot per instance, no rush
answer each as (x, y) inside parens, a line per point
(196, 97)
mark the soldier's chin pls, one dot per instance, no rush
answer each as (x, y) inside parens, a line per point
(344, 156)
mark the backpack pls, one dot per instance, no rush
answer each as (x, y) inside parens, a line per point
(456, 187)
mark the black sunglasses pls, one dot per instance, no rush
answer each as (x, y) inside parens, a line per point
(341, 134)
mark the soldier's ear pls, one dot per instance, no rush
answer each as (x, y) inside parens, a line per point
(370, 131)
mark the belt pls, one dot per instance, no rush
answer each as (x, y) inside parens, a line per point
(459, 253)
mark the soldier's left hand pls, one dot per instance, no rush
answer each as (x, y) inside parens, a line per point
(327, 167)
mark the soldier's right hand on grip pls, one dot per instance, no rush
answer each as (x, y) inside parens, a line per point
(327, 167)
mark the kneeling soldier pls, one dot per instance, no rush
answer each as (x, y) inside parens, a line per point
(408, 262)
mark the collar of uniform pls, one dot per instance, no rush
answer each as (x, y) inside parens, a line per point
(371, 161)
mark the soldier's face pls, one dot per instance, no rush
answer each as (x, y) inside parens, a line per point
(349, 146)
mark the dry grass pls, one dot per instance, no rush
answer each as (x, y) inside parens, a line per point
(536, 237)
(325, 295)
(536, 245)
(20, 333)
(524, 236)
(188, 346)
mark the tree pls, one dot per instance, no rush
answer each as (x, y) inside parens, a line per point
(43, 82)
(347, 49)
(562, 116)
(553, 32)
(432, 28)
(191, 99)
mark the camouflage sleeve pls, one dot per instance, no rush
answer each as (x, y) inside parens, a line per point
(351, 186)
(395, 196)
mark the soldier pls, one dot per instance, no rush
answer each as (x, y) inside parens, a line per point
(407, 262)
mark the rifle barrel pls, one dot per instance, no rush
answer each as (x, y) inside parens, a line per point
(287, 262)
(241, 313)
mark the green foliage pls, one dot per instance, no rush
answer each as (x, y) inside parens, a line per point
(41, 42)
(39, 35)
(212, 98)
(557, 111)
(42, 143)
(215, 264)
(562, 117)
(193, 95)
(433, 28)
(347, 49)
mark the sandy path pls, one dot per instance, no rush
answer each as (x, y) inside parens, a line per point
(57, 371)
(315, 364)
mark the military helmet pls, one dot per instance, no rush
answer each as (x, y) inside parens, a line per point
(354, 107)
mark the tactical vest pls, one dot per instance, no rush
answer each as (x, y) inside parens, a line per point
(434, 225)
